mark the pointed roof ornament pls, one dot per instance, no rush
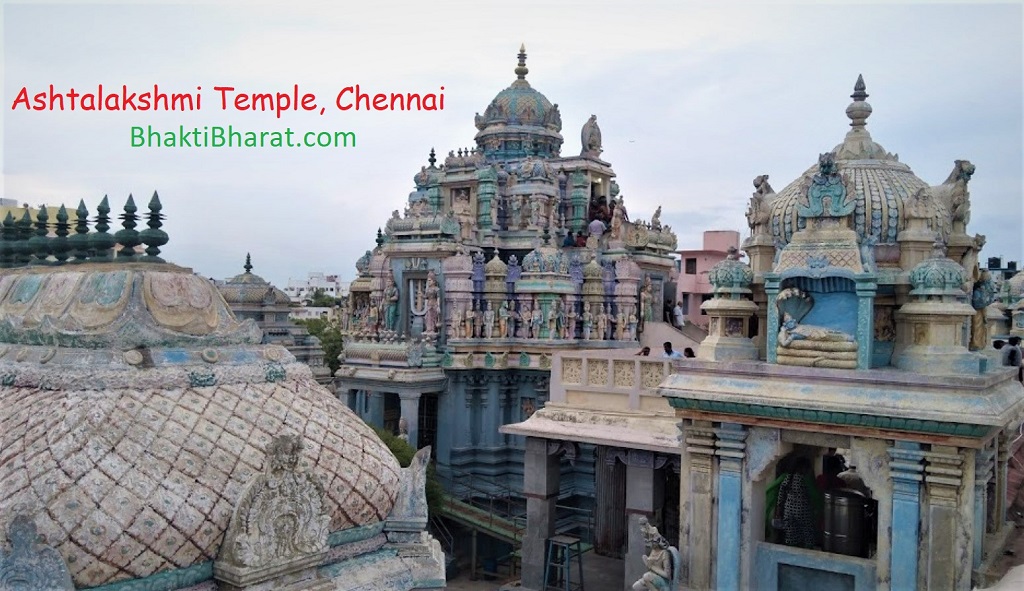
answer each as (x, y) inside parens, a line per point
(432, 159)
(859, 89)
(859, 110)
(521, 69)
(248, 263)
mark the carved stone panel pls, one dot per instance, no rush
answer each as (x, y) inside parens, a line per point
(651, 374)
(597, 372)
(622, 373)
(279, 524)
(30, 563)
(572, 371)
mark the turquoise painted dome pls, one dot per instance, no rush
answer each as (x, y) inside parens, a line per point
(520, 121)
(880, 182)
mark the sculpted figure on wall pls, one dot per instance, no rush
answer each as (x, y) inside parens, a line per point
(503, 320)
(646, 303)
(982, 294)
(31, 563)
(489, 321)
(602, 324)
(432, 293)
(569, 328)
(281, 516)
(391, 298)
(588, 323)
(806, 344)
(536, 320)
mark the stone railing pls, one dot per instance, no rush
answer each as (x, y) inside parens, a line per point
(609, 380)
(388, 349)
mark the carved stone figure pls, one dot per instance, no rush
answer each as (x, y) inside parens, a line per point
(759, 212)
(826, 196)
(588, 323)
(982, 294)
(590, 138)
(432, 293)
(632, 323)
(31, 563)
(792, 331)
(867, 253)
(489, 321)
(280, 519)
(602, 324)
(536, 320)
(391, 297)
(960, 198)
(618, 217)
(656, 220)
(646, 303)
(569, 327)
(403, 429)
(463, 209)
(465, 322)
(503, 323)
(553, 331)
(494, 213)
(661, 562)
(525, 321)
(471, 324)
(620, 325)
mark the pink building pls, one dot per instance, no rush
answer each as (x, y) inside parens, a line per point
(693, 287)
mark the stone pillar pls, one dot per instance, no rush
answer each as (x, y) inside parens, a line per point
(1001, 474)
(410, 402)
(541, 472)
(374, 415)
(641, 494)
(942, 481)
(731, 444)
(984, 462)
(697, 504)
(906, 471)
(865, 321)
(771, 333)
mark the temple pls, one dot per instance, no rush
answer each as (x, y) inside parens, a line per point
(860, 439)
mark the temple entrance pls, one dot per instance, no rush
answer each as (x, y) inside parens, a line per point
(392, 412)
(428, 422)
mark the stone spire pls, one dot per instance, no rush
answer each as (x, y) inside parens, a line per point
(521, 69)
(101, 241)
(60, 245)
(153, 237)
(248, 264)
(79, 241)
(859, 110)
(41, 241)
(432, 159)
(128, 236)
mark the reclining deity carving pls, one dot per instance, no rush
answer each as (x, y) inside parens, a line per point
(806, 344)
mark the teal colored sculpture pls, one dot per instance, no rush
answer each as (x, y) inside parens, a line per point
(391, 298)
(826, 197)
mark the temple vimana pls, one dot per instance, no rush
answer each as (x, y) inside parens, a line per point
(512, 405)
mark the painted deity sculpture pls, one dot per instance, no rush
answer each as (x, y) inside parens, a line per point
(536, 320)
(553, 320)
(620, 325)
(489, 321)
(567, 321)
(602, 324)
(792, 331)
(809, 345)
(466, 322)
(632, 323)
(646, 303)
(391, 298)
(662, 562)
(503, 323)
(432, 293)
(618, 217)
(588, 323)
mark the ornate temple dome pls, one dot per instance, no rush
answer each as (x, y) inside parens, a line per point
(879, 180)
(249, 288)
(134, 409)
(520, 121)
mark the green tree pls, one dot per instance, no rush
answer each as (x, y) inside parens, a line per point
(404, 452)
(330, 337)
(320, 299)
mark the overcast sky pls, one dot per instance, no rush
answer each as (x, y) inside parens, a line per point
(693, 102)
